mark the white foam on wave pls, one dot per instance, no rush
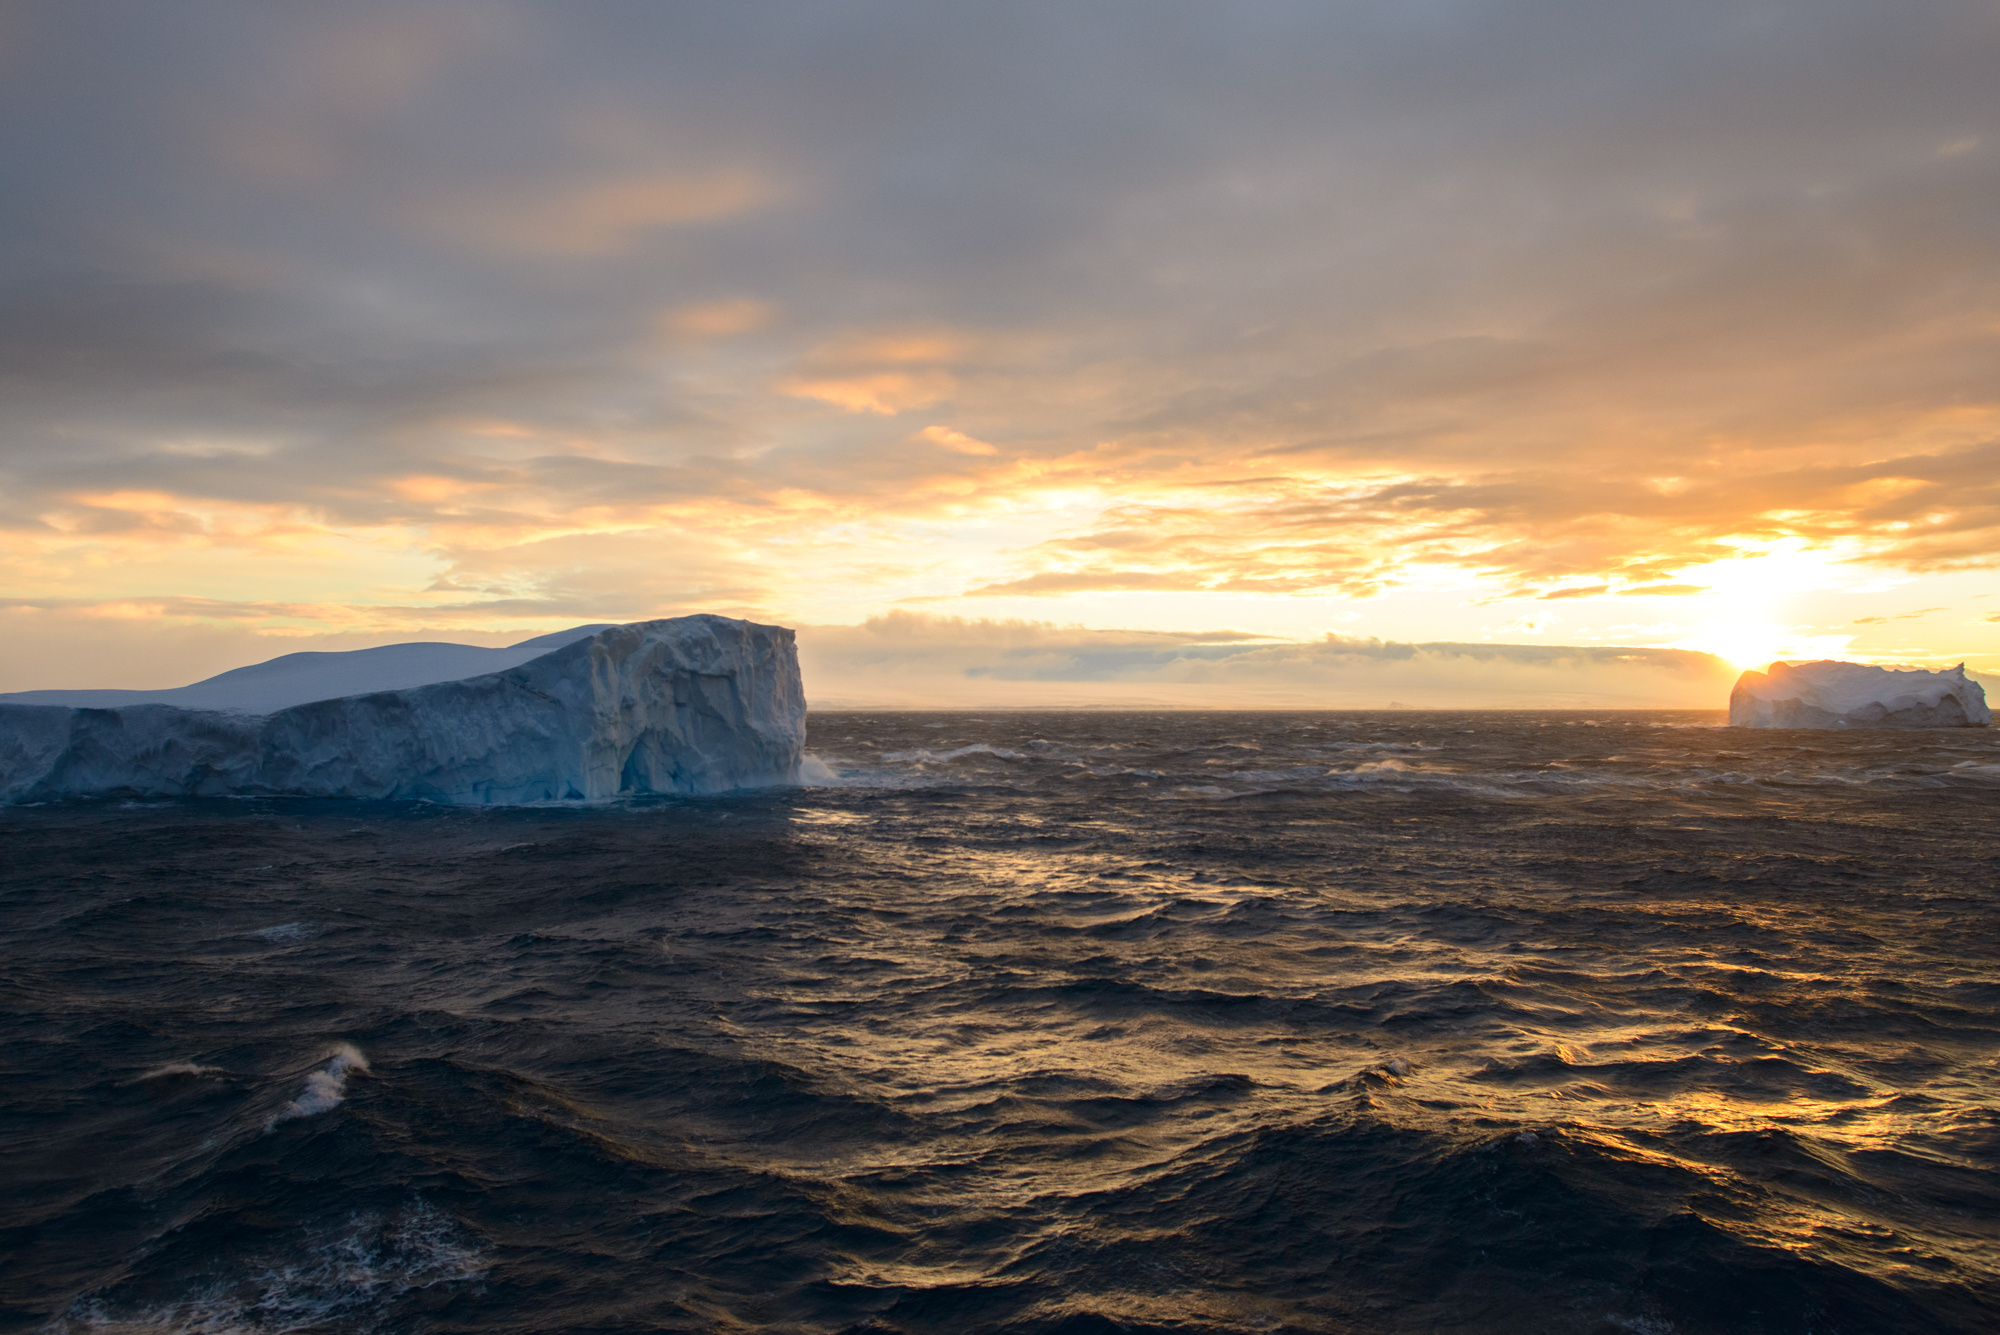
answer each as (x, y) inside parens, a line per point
(1972, 769)
(1378, 769)
(346, 1279)
(175, 1070)
(1294, 774)
(1198, 791)
(1382, 746)
(326, 1088)
(923, 757)
(286, 931)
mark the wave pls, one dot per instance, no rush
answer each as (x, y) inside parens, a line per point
(349, 1278)
(987, 764)
(921, 756)
(179, 1071)
(991, 1037)
(325, 1089)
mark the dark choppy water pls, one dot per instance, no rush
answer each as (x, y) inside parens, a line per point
(1315, 1022)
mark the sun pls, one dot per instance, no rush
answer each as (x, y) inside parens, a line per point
(1747, 593)
(1745, 644)
(1758, 644)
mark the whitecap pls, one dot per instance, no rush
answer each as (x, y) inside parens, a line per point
(345, 1279)
(174, 1070)
(1377, 769)
(1293, 774)
(326, 1088)
(923, 757)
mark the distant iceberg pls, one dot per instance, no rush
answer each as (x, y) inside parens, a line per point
(698, 704)
(1831, 694)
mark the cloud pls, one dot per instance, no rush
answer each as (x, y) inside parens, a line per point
(591, 218)
(884, 392)
(899, 660)
(1543, 534)
(1254, 302)
(906, 660)
(1073, 581)
(717, 319)
(882, 372)
(1905, 616)
(957, 441)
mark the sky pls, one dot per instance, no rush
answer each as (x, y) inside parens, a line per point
(1483, 351)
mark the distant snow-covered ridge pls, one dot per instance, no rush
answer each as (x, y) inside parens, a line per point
(297, 679)
(697, 704)
(1832, 694)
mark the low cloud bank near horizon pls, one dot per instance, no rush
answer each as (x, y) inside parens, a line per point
(916, 662)
(907, 660)
(910, 660)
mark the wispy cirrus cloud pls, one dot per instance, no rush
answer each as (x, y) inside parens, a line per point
(1537, 534)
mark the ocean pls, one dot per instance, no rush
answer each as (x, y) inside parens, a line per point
(1042, 1022)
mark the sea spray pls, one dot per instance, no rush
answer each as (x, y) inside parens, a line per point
(179, 1071)
(325, 1088)
(347, 1274)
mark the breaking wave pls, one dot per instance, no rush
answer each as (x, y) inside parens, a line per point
(182, 1071)
(350, 1278)
(326, 1088)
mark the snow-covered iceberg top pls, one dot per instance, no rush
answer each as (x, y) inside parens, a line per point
(697, 704)
(1831, 694)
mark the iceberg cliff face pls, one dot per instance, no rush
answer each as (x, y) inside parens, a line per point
(1856, 695)
(698, 704)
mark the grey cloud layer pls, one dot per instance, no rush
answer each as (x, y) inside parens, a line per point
(281, 252)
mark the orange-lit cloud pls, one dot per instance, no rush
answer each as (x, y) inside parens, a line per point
(716, 319)
(884, 392)
(590, 217)
(957, 441)
(593, 316)
(884, 373)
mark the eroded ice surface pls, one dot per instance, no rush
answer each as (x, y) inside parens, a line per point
(1830, 694)
(690, 705)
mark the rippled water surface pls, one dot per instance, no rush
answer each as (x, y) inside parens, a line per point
(1037, 1022)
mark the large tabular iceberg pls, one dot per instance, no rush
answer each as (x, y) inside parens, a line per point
(1830, 694)
(697, 704)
